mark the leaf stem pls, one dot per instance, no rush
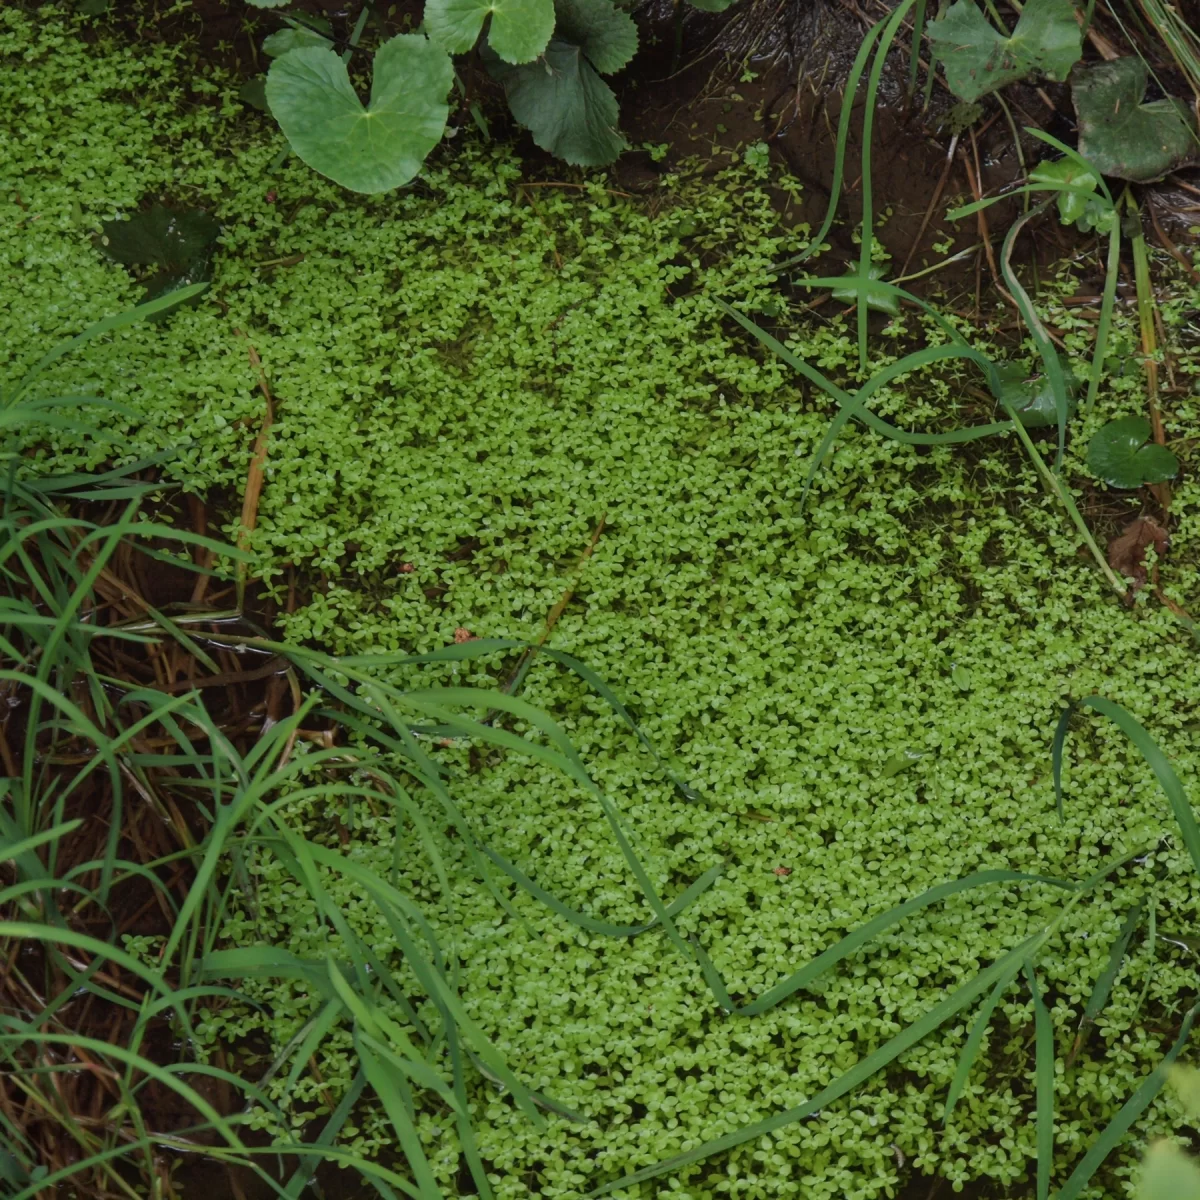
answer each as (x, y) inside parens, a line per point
(1060, 491)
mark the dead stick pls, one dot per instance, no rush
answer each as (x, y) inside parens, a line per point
(255, 476)
(527, 655)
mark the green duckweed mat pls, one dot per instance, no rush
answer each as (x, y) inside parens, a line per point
(469, 375)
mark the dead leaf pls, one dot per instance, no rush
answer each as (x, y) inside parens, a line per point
(1127, 553)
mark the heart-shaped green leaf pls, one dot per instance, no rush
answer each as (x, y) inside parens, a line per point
(283, 41)
(606, 35)
(1032, 398)
(1119, 134)
(561, 98)
(519, 31)
(1122, 455)
(366, 150)
(978, 59)
(878, 299)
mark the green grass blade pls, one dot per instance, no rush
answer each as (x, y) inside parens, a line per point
(387, 897)
(1044, 1084)
(1159, 764)
(325, 1139)
(1056, 756)
(847, 1082)
(694, 890)
(393, 1095)
(108, 325)
(857, 67)
(1129, 1112)
(1100, 993)
(970, 1050)
(853, 942)
(1037, 330)
(165, 1077)
(868, 124)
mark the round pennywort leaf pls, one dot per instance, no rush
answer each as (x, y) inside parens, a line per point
(1120, 135)
(1122, 455)
(518, 32)
(372, 149)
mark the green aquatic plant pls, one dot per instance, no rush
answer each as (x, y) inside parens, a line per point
(76, 710)
(466, 382)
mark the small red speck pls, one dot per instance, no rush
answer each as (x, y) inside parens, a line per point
(271, 195)
(407, 568)
(463, 635)
(782, 871)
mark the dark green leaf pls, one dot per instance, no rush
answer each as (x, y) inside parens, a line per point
(518, 32)
(1044, 1083)
(296, 38)
(165, 237)
(606, 35)
(1122, 455)
(560, 99)
(366, 150)
(711, 5)
(179, 243)
(254, 93)
(978, 59)
(1122, 136)
(1032, 399)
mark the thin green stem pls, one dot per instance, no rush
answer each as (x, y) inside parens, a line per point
(1059, 490)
